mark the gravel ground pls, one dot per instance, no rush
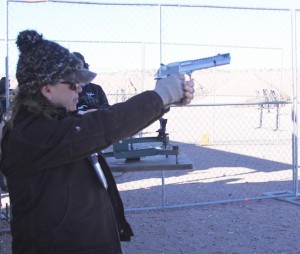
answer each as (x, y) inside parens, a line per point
(265, 226)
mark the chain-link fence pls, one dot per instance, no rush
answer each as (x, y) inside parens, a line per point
(240, 132)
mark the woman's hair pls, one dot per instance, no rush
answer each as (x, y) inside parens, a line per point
(33, 102)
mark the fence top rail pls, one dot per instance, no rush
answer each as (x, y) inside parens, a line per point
(240, 104)
(160, 4)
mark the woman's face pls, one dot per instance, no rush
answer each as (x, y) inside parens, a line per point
(63, 94)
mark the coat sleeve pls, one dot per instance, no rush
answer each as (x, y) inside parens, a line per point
(52, 143)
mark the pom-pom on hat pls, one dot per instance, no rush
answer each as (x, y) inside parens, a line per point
(43, 62)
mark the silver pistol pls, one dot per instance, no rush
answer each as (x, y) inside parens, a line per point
(187, 67)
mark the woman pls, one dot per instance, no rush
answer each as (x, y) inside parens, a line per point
(58, 203)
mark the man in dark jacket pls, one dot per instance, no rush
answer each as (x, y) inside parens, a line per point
(2, 112)
(92, 95)
(59, 206)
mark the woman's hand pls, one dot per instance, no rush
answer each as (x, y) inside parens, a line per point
(188, 87)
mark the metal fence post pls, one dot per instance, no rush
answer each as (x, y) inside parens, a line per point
(295, 104)
(6, 60)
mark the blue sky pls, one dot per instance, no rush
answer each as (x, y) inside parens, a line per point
(49, 19)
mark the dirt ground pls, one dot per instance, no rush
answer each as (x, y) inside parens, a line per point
(265, 226)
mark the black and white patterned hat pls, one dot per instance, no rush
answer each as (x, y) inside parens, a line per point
(44, 62)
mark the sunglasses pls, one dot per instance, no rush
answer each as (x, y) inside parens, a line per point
(72, 86)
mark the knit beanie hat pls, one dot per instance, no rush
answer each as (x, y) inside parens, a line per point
(43, 62)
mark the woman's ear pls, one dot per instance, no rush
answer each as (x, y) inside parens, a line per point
(46, 91)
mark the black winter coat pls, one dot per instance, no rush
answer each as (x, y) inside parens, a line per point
(58, 204)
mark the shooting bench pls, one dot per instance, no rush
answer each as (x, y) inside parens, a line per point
(131, 155)
(151, 163)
